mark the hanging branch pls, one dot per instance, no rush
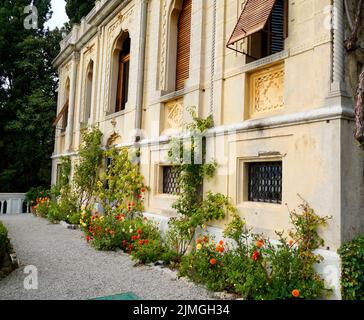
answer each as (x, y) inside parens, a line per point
(359, 110)
(351, 41)
(351, 44)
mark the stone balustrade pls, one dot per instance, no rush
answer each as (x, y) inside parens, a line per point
(13, 203)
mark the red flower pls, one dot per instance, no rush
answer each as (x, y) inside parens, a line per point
(295, 293)
(291, 243)
(140, 242)
(88, 238)
(143, 190)
(221, 243)
(139, 231)
(146, 241)
(220, 249)
(213, 261)
(134, 238)
(255, 255)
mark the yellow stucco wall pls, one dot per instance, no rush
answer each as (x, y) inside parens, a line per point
(311, 150)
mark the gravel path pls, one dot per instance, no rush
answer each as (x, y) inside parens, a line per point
(68, 268)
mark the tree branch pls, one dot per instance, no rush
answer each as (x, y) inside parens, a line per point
(351, 41)
(350, 20)
(359, 112)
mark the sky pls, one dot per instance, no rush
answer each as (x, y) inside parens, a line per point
(59, 16)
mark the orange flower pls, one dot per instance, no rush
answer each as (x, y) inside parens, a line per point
(260, 244)
(213, 262)
(291, 243)
(221, 243)
(295, 293)
(220, 249)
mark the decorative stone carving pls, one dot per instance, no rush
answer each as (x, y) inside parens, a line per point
(112, 139)
(267, 90)
(174, 114)
(163, 46)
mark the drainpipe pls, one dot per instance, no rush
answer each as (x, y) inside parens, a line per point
(141, 64)
(212, 98)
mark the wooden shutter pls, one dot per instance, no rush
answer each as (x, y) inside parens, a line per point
(277, 22)
(253, 19)
(62, 113)
(183, 44)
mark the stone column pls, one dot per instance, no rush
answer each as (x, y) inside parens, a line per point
(338, 56)
(71, 109)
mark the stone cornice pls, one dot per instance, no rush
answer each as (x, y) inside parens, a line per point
(84, 32)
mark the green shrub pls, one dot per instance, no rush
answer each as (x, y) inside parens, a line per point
(258, 269)
(35, 194)
(148, 251)
(53, 214)
(4, 242)
(352, 277)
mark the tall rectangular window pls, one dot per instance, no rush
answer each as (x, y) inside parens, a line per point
(123, 76)
(265, 182)
(183, 44)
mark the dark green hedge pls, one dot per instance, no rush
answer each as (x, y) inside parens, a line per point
(352, 277)
(3, 242)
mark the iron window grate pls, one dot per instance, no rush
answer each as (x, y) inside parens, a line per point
(170, 180)
(265, 182)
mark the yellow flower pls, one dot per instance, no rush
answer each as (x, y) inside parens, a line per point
(199, 246)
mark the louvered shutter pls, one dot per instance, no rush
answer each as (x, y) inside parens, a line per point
(253, 18)
(183, 44)
(278, 27)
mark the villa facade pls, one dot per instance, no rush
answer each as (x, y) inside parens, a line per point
(272, 74)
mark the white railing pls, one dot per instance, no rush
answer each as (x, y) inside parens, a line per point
(13, 203)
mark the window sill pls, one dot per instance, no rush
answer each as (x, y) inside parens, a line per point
(259, 205)
(174, 95)
(259, 64)
(164, 196)
(112, 115)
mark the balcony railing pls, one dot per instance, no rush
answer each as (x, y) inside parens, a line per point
(13, 203)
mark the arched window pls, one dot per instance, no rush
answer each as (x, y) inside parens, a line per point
(89, 84)
(121, 66)
(179, 44)
(183, 44)
(5, 207)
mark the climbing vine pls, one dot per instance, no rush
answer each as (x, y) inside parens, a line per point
(188, 155)
(87, 169)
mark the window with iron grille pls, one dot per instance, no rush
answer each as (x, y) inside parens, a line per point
(170, 180)
(265, 182)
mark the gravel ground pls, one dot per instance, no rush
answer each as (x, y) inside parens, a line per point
(69, 269)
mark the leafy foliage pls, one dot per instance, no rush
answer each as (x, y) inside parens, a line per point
(4, 242)
(77, 9)
(258, 269)
(28, 97)
(352, 264)
(121, 188)
(188, 154)
(87, 170)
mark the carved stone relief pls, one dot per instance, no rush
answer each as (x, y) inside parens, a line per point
(267, 90)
